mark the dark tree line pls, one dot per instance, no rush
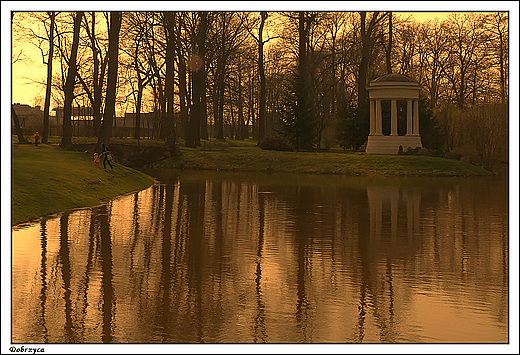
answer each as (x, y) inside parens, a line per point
(299, 76)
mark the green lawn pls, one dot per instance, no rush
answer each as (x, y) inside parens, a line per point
(246, 156)
(47, 179)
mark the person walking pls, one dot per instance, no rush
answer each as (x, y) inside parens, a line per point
(107, 157)
(36, 139)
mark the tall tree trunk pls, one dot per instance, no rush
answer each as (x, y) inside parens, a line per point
(240, 105)
(169, 124)
(47, 105)
(251, 109)
(302, 43)
(183, 92)
(221, 81)
(333, 73)
(462, 88)
(389, 48)
(138, 103)
(261, 73)
(204, 124)
(97, 81)
(215, 96)
(198, 86)
(66, 139)
(137, 128)
(113, 58)
(161, 100)
(202, 75)
(366, 42)
(363, 65)
(233, 126)
(221, 85)
(19, 132)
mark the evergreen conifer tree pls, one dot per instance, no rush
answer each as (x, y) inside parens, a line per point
(298, 122)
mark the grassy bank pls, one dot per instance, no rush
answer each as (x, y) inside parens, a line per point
(47, 179)
(245, 156)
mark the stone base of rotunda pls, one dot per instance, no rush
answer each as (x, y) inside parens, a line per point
(380, 144)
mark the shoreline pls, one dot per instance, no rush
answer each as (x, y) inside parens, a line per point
(255, 160)
(45, 182)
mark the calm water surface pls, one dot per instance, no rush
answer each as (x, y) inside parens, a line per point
(237, 258)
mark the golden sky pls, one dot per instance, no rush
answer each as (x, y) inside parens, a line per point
(23, 89)
(24, 73)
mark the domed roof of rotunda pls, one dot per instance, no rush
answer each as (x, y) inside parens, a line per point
(393, 78)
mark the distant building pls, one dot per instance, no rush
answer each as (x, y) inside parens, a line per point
(31, 120)
(28, 116)
(82, 113)
(146, 119)
(26, 110)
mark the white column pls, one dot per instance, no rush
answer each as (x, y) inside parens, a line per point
(379, 118)
(372, 117)
(416, 118)
(393, 129)
(409, 118)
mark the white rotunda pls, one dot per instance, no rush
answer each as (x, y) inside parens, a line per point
(393, 88)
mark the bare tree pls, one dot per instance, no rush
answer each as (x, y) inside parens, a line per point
(197, 117)
(48, 87)
(99, 65)
(113, 57)
(232, 29)
(183, 90)
(487, 129)
(389, 47)
(168, 125)
(136, 34)
(467, 41)
(14, 116)
(261, 75)
(367, 43)
(66, 139)
(45, 43)
(433, 50)
(19, 132)
(498, 27)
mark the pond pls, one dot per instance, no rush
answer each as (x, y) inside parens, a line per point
(213, 257)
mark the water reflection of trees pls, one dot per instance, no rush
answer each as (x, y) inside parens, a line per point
(43, 276)
(64, 259)
(217, 260)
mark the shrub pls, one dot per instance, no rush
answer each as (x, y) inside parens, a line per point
(275, 143)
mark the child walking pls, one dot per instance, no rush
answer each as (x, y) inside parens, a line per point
(96, 160)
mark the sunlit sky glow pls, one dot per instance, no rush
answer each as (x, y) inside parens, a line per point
(25, 94)
(23, 89)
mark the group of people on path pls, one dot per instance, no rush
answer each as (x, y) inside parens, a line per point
(107, 157)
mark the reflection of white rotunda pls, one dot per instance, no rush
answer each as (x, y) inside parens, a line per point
(397, 198)
(393, 87)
